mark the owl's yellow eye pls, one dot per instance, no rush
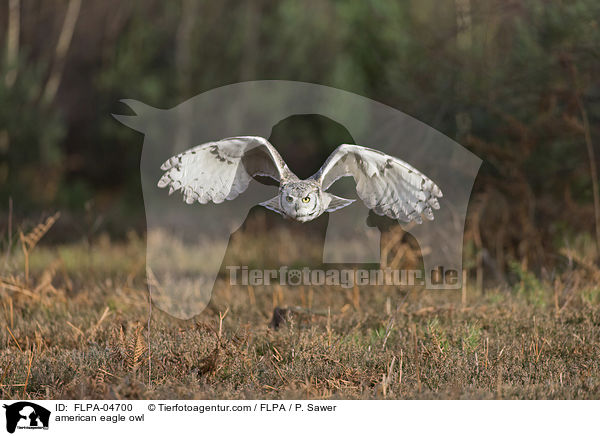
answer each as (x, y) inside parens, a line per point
(289, 199)
(305, 199)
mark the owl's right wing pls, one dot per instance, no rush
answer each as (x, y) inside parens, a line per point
(386, 184)
(222, 170)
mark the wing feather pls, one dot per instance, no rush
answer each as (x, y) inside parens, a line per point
(387, 185)
(221, 170)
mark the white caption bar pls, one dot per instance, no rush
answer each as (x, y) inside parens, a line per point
(298, 417)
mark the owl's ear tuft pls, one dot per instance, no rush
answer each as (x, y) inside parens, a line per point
(335, 202)
(273, 204)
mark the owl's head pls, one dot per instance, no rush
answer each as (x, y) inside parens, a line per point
(304, 201)
(301, 201)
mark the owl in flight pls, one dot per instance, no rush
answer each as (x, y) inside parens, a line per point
(222, 170)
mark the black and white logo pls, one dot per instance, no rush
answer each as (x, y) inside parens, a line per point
(26, 415)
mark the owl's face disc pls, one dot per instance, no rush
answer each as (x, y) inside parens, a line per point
(301, 201)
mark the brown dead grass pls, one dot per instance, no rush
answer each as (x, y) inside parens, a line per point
(78, 328)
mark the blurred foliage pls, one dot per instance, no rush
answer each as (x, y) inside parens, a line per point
(501, 77)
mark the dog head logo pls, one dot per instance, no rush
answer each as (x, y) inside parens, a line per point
(26, 415)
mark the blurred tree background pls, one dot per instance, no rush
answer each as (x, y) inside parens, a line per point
(517, 82)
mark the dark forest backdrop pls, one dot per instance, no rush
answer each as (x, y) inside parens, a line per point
(517, 82)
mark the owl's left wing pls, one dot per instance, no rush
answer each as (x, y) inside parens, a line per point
(387, 185)
(221, 170)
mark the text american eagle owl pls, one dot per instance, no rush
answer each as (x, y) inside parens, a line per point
(221, 170)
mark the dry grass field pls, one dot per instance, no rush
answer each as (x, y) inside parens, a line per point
(76, 324)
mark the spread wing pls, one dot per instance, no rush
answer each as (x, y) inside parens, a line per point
(387, 185)
(222, 170)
